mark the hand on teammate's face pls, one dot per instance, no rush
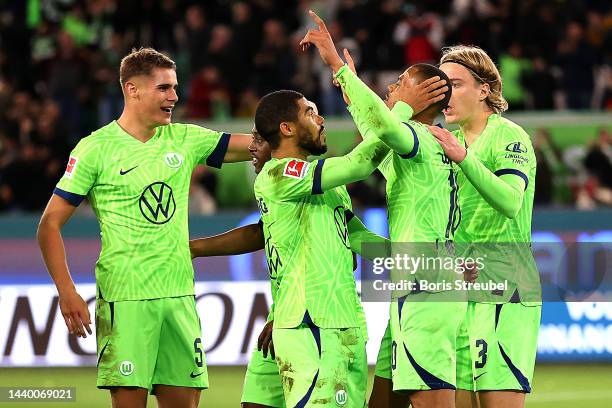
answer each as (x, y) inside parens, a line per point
(322, 40)
(264, 341)
(420, 96)
(451, 146)
(75, 313)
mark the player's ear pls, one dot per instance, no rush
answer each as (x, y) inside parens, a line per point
(485, 90)
(130, 89)
(286, 129)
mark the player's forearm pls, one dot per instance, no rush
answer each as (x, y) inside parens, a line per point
(238, 241)
(356, 165)
(364, 242)
(54, 254)
(372, 117)
(504, 193)
(238, 148)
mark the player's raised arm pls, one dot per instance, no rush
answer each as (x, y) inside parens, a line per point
(354, 166)
(73, 307)
(241, 240)
(503, 189)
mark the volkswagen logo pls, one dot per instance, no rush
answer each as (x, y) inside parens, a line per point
(157, 203)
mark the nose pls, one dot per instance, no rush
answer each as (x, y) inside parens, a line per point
(172, 95)
(320, 119)
(251, 146)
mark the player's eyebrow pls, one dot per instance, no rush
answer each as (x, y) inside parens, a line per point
(166, 86)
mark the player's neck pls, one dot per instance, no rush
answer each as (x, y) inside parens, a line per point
(473, 128)
(424, 118)
(293, 152)
(135, 128)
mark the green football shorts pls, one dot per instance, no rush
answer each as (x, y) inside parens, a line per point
(465, 371)
(146, 342)
(424, 330)
(503, 344)
(383, 361)
(322, 367)
(262, 382)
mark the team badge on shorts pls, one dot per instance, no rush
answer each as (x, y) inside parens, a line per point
(126, 367)
(341, 398)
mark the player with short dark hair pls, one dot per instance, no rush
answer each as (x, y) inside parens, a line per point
(135, 171)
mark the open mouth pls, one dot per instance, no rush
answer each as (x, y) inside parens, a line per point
(167, 109)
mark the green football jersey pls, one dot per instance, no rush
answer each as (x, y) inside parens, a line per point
(503, 148)
(307, 246)
(139, 193)
(421, 191)
(422, 206)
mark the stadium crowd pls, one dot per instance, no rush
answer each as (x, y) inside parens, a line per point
(59, 68)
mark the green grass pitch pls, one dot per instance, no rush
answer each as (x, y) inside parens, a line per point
(555, 386)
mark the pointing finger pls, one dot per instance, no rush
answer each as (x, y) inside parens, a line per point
(318, 20)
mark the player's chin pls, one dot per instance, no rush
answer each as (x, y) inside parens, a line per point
(451, 118)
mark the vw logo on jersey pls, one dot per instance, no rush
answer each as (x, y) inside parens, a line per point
(157, 203)
(340, 220)
(516, 147)
(173, 160)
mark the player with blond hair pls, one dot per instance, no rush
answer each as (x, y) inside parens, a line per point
(496, 182)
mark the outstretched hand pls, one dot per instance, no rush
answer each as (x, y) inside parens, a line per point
(322, 40)
(451, 146)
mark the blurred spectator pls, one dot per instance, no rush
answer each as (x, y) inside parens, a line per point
(549, 164)
(598, 163)
(208, 96)
(577, 60)
(513, 67)
(541, 86)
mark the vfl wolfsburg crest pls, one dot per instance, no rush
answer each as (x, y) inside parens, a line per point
(157, 203)
(341, 398)
(126, 367)
(173, 160)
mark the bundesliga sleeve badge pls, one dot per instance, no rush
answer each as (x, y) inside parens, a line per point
(296, 169)
(71, 166)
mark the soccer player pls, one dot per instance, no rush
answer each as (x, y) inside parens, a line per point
(262, 383)
(422, 207)
(496, 188)
(135, 171)
(318, 333)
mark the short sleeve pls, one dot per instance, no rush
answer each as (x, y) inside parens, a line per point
(80, 174)
(209, 146)
(513, 154)
(292, 179)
